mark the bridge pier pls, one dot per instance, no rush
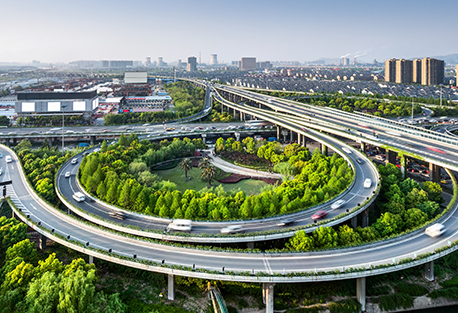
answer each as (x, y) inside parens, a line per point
(403, 166)
(42, 242)
(354, 221)
(435, 172)
(391, 157)
(278, 132)
(171, 287)
(204, 137)
(268, 296)
(299, 138)
(365, 218)
(250, 245)
(429, 271)
(324, 149)
(91, 259)
(237, 136)
(92, 140)
(361, 292)
(291, 138)
(363, 147)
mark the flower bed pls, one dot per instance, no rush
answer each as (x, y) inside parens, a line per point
(233, 178)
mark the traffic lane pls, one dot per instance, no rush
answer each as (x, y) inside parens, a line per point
(239, 262)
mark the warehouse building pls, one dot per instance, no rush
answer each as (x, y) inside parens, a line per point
(34, 104)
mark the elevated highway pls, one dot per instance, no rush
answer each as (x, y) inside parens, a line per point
(267, 268)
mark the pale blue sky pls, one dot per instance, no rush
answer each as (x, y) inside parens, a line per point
(290, 30)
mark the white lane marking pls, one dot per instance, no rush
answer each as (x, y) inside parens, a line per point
(267, 266)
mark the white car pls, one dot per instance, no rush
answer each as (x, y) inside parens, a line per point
(233, 229)
(435, 230)
(67, 174)
(338, 204)
(74, 161)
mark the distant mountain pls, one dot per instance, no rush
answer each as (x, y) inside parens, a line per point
(449, 58)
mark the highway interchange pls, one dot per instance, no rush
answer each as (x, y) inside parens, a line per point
(269, 263)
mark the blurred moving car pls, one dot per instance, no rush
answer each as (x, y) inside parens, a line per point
(233, 229)
(435, 230)
(337, 204)
(319, 214)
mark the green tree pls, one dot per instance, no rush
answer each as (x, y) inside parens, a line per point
(301, 242)
(434, 191)
(414, 217)
(208, 174)
(348, 236)
(186, 165)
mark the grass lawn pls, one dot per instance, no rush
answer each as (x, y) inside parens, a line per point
(176, 175)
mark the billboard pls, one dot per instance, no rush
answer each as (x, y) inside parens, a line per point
(54, 106)
(28, 106)
(79, 106)
(95, 103)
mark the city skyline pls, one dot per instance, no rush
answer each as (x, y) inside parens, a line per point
(115, 30)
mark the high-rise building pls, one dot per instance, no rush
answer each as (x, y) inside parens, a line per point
(416, 71)
(248, 64)
(160, 62)
(192, 64)
(390, 70)
(345, 61)
(457, 75)
(432, 71)
(148, 61)
(403, 71)
(213, 59)
(179, 65)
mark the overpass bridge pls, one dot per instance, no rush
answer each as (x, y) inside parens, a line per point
(267, 268)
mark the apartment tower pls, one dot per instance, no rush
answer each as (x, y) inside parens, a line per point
(390, 70)
(432, 71)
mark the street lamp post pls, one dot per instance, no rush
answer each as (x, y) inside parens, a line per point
(412, 109)
(63, 106)
(441, 95)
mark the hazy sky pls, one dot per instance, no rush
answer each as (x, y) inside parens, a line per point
(289, 30)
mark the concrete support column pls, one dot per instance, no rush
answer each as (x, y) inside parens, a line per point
(234, 113)
(403, 166)
(361, 292)
(429, 271)
(204, 137)
(354, 222)
(91, 259)
(237, 136)
(435, 172)
(222, 108)
(391, 157)
(92, 140)
(250, 245)
(363, 147)
(365, 218)
(42, 242)
(278, 133)
(171, 287)
(268, 296)
(291, 138)
(324, 149)
(299, 139)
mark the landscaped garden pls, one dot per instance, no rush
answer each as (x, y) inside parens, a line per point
(121, 175)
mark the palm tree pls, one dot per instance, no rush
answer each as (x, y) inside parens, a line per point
(204, 163)
(186, 165)
(209, 173)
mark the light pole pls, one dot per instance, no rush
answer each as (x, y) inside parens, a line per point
(441, 95)
(412, 108)
(63, 106)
